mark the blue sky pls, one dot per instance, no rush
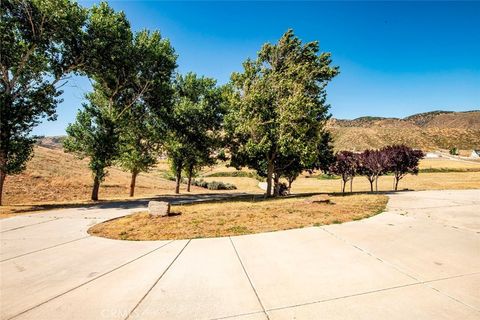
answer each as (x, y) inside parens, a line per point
(395, 58)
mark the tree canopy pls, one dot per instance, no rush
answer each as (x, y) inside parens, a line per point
(132, 73)
(194, 124)
(278, 105)
(41, 42)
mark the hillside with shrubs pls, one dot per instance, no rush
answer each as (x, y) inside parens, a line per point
(427, 131)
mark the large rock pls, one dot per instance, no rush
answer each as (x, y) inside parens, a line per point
(159, 208)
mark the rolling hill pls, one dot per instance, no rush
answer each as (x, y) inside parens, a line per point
(427, 131)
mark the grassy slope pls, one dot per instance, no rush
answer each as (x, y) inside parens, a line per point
(53, 176)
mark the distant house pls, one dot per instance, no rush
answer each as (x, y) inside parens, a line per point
(475, 154)
(432, 155)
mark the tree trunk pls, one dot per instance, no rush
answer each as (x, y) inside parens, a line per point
(276, 184)
(178, 180)
(290, 181)
(351, 184)
(96, 186)
(371, 184)
(3, 175)
(132, 183)
(376, 184)
(190, 172)
(343, 185)
(269, 178)
(396, 183)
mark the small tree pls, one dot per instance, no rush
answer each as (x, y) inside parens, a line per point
(454, 151)
(373, 164)
(139, 143)
(194, 125)
(345, 166)
(289, 168)
(94, 135)
(402, 160)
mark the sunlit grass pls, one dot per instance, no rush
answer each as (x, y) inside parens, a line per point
(237, 217)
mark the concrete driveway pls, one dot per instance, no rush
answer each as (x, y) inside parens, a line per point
(418, 260)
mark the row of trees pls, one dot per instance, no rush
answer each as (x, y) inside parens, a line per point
(269, 117)
(139, 106)
(398, 160)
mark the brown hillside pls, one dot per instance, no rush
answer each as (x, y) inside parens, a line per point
(427, 131)
(55, 176)
(460, 120)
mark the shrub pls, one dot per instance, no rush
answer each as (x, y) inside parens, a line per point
(237, 174)
(200, 183)
(214, 185)
(217, 185)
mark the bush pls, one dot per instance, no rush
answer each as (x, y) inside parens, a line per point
(214, 185)
(200, 183)
(237, 174)
(454, 151)
(217, 185)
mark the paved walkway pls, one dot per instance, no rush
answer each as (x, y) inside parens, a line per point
(419, 260)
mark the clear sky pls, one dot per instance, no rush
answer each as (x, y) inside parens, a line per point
(395, 58)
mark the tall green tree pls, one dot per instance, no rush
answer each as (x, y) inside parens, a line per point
(41, 41)
(140, 142)
(144, 125)
(194, 125)
(129, 72)
(278, 105)
(94, 135)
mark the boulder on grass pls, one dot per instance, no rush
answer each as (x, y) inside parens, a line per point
(159, 208)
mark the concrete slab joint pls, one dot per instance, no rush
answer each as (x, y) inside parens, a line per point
(421, 265)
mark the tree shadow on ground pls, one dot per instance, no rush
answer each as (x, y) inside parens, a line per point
(175, 199)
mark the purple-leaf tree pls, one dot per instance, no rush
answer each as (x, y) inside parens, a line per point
(345, 166)
(372, 164)
(402, 160)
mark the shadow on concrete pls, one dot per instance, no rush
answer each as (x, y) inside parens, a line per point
(180, 199)
(133, 203)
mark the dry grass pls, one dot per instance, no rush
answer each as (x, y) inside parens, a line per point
(441, 163)
(237, 217)
(53, 176)
(221, 167)
(57, 178)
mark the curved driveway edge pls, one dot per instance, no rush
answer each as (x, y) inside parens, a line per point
(418, 260)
